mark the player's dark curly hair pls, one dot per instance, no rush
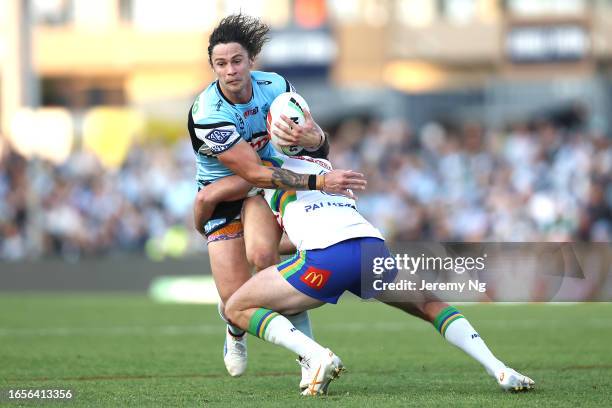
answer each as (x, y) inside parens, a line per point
(247, 31)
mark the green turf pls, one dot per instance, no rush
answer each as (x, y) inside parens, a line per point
(123, 350)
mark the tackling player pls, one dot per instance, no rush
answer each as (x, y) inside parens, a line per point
(334, 242)
(228, 132)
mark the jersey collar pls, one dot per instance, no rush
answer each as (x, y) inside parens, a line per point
(230, 102)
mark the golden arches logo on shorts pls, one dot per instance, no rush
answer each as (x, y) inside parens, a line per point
(315, 278)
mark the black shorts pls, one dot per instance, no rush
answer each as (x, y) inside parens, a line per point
(227, 213)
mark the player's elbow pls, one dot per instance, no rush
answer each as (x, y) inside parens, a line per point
(208, 197)
(201, 198)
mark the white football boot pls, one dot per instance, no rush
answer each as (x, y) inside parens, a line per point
(235, 354)
(511, 380)
(322, 369)
(306, 374)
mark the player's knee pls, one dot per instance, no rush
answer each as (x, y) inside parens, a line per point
(262, 257)
(225, 295)
(232, 311)
(221, 310)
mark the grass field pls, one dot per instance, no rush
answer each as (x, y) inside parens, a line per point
(124, 350)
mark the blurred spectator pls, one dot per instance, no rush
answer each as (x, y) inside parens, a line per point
(535, 182)
(80, 208)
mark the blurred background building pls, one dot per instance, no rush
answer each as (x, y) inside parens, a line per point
(474, 120)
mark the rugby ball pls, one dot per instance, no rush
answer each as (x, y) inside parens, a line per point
(292, 105)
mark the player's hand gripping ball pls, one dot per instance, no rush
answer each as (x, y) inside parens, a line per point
(292, 105)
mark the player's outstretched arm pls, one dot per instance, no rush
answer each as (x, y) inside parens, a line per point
(227, 189)
(243, 161)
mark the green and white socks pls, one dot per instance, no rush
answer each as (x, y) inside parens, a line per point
(277, 329)
(455, 328)
(301, 321)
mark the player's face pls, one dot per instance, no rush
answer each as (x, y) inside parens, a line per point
(232, 65)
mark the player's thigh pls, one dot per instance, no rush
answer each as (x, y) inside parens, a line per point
(229, 265)
(268, 289)
(261, 233)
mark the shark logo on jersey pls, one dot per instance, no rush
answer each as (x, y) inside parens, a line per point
(264, 82)
(259, 140)
(219, 136)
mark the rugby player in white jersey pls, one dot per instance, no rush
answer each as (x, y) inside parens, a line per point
(227, 126)
(334, 242)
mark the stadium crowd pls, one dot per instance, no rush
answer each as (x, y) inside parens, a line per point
(530, 182)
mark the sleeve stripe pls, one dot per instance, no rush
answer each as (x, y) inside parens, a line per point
(287, 85)
(213, 125)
